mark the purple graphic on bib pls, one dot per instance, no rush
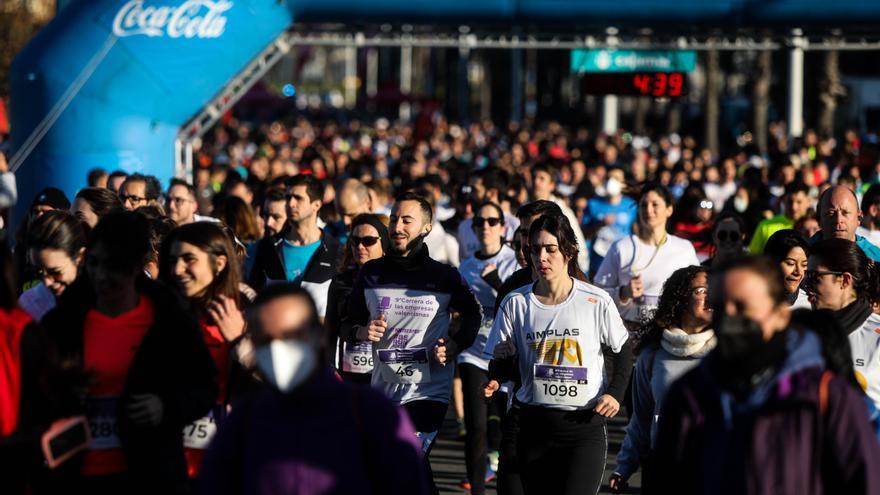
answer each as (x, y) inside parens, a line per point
(564, 373)
(384, 303)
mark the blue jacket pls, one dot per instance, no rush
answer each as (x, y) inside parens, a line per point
(870, 250)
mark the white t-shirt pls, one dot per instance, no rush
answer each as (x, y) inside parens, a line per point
(559, 348)
(802, 301)
(468, 244)
(471, 270)
(629, 257)
(865, 344)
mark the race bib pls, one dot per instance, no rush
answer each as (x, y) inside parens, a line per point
(101, 412)
(357, 358)
(199, 433)
(560, 385)
(405, 365)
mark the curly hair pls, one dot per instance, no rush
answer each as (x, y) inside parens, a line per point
(674, 301)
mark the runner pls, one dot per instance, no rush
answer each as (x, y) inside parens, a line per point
(839, 217)
(92, 203)
(401, 303)
(791, 250)
(635, 268)
(306, 432)
(678, 337)
(841, 278)
(150, 372)
(368, 241)
(556, 328)
(200, 262)
(485, 271)
(57, 243)
(25, 400)
(753, 415)
(302, 253)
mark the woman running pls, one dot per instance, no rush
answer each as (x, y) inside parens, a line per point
(150, 372)
(636, 267)
(484, 272)
(199, 260)
(676, 340)
(790, 249)
(56, 245)
(556, 328)
(842, 278)
(368, 241)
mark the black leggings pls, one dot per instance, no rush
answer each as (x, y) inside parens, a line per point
(483, 433)
(427, 416)
(509, 480)
(561, 452)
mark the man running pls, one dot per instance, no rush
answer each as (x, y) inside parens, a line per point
(402, 304)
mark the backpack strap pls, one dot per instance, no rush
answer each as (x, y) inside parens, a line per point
(823, 392)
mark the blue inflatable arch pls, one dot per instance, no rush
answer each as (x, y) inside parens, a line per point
(108, 83)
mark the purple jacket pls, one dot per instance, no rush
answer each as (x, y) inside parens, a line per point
(775, 441)
(327, 437)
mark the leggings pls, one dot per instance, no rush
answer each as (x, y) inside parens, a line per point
(509, 480)
(483, 433)
(561, 452)
(427, 416)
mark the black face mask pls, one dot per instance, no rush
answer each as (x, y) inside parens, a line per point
(415, 244)
(738, 336)
(743, 357)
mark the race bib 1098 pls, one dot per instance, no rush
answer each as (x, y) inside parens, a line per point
(560, 385)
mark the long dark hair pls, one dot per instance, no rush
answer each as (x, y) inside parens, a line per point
(100, 199)
(211, 239)
(842, 255)
(674, 301)
(558, 227)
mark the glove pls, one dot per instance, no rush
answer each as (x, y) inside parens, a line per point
(617, 483)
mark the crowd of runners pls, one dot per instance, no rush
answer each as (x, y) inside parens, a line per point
(303, 315)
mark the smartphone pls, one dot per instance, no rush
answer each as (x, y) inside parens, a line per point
(64, 439)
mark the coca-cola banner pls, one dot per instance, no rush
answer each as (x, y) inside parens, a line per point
(189, 19)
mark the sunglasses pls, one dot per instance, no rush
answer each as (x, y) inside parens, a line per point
(811, 277)
(493, 222)
(733, 235)
(131, 198)
(366, 241)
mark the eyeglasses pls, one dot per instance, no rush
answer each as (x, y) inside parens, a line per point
(723, 235)
(366, 241)
(131, 198)
(811, 277)
(700, 292)
(178, 200)
(706, 205)
(493, 222)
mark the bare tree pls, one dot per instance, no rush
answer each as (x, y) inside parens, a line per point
(19, 21)
(762, 98)
(832, 90)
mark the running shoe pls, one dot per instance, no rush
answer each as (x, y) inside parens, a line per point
(490, 475)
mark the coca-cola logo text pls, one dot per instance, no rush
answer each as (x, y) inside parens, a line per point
(191, 19)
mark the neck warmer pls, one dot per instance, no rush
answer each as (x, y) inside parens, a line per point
(852, 317)
(414, 261)
(678, 343)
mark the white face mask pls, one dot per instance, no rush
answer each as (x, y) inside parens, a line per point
(613, 187)
(740, 204)
(286, 363)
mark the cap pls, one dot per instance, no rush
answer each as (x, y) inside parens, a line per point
(52, 196)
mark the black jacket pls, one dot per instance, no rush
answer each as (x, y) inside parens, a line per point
(269, 261)
(172, 362)
(337, 306)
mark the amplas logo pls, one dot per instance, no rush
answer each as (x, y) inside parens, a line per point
(190, 19)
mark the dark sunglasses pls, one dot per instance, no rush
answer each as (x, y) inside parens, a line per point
(367, 241)
(132, 198)
(493, 222)
(811, 277)
(733, 235)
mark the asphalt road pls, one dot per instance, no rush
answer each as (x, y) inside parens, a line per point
(447, 458)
